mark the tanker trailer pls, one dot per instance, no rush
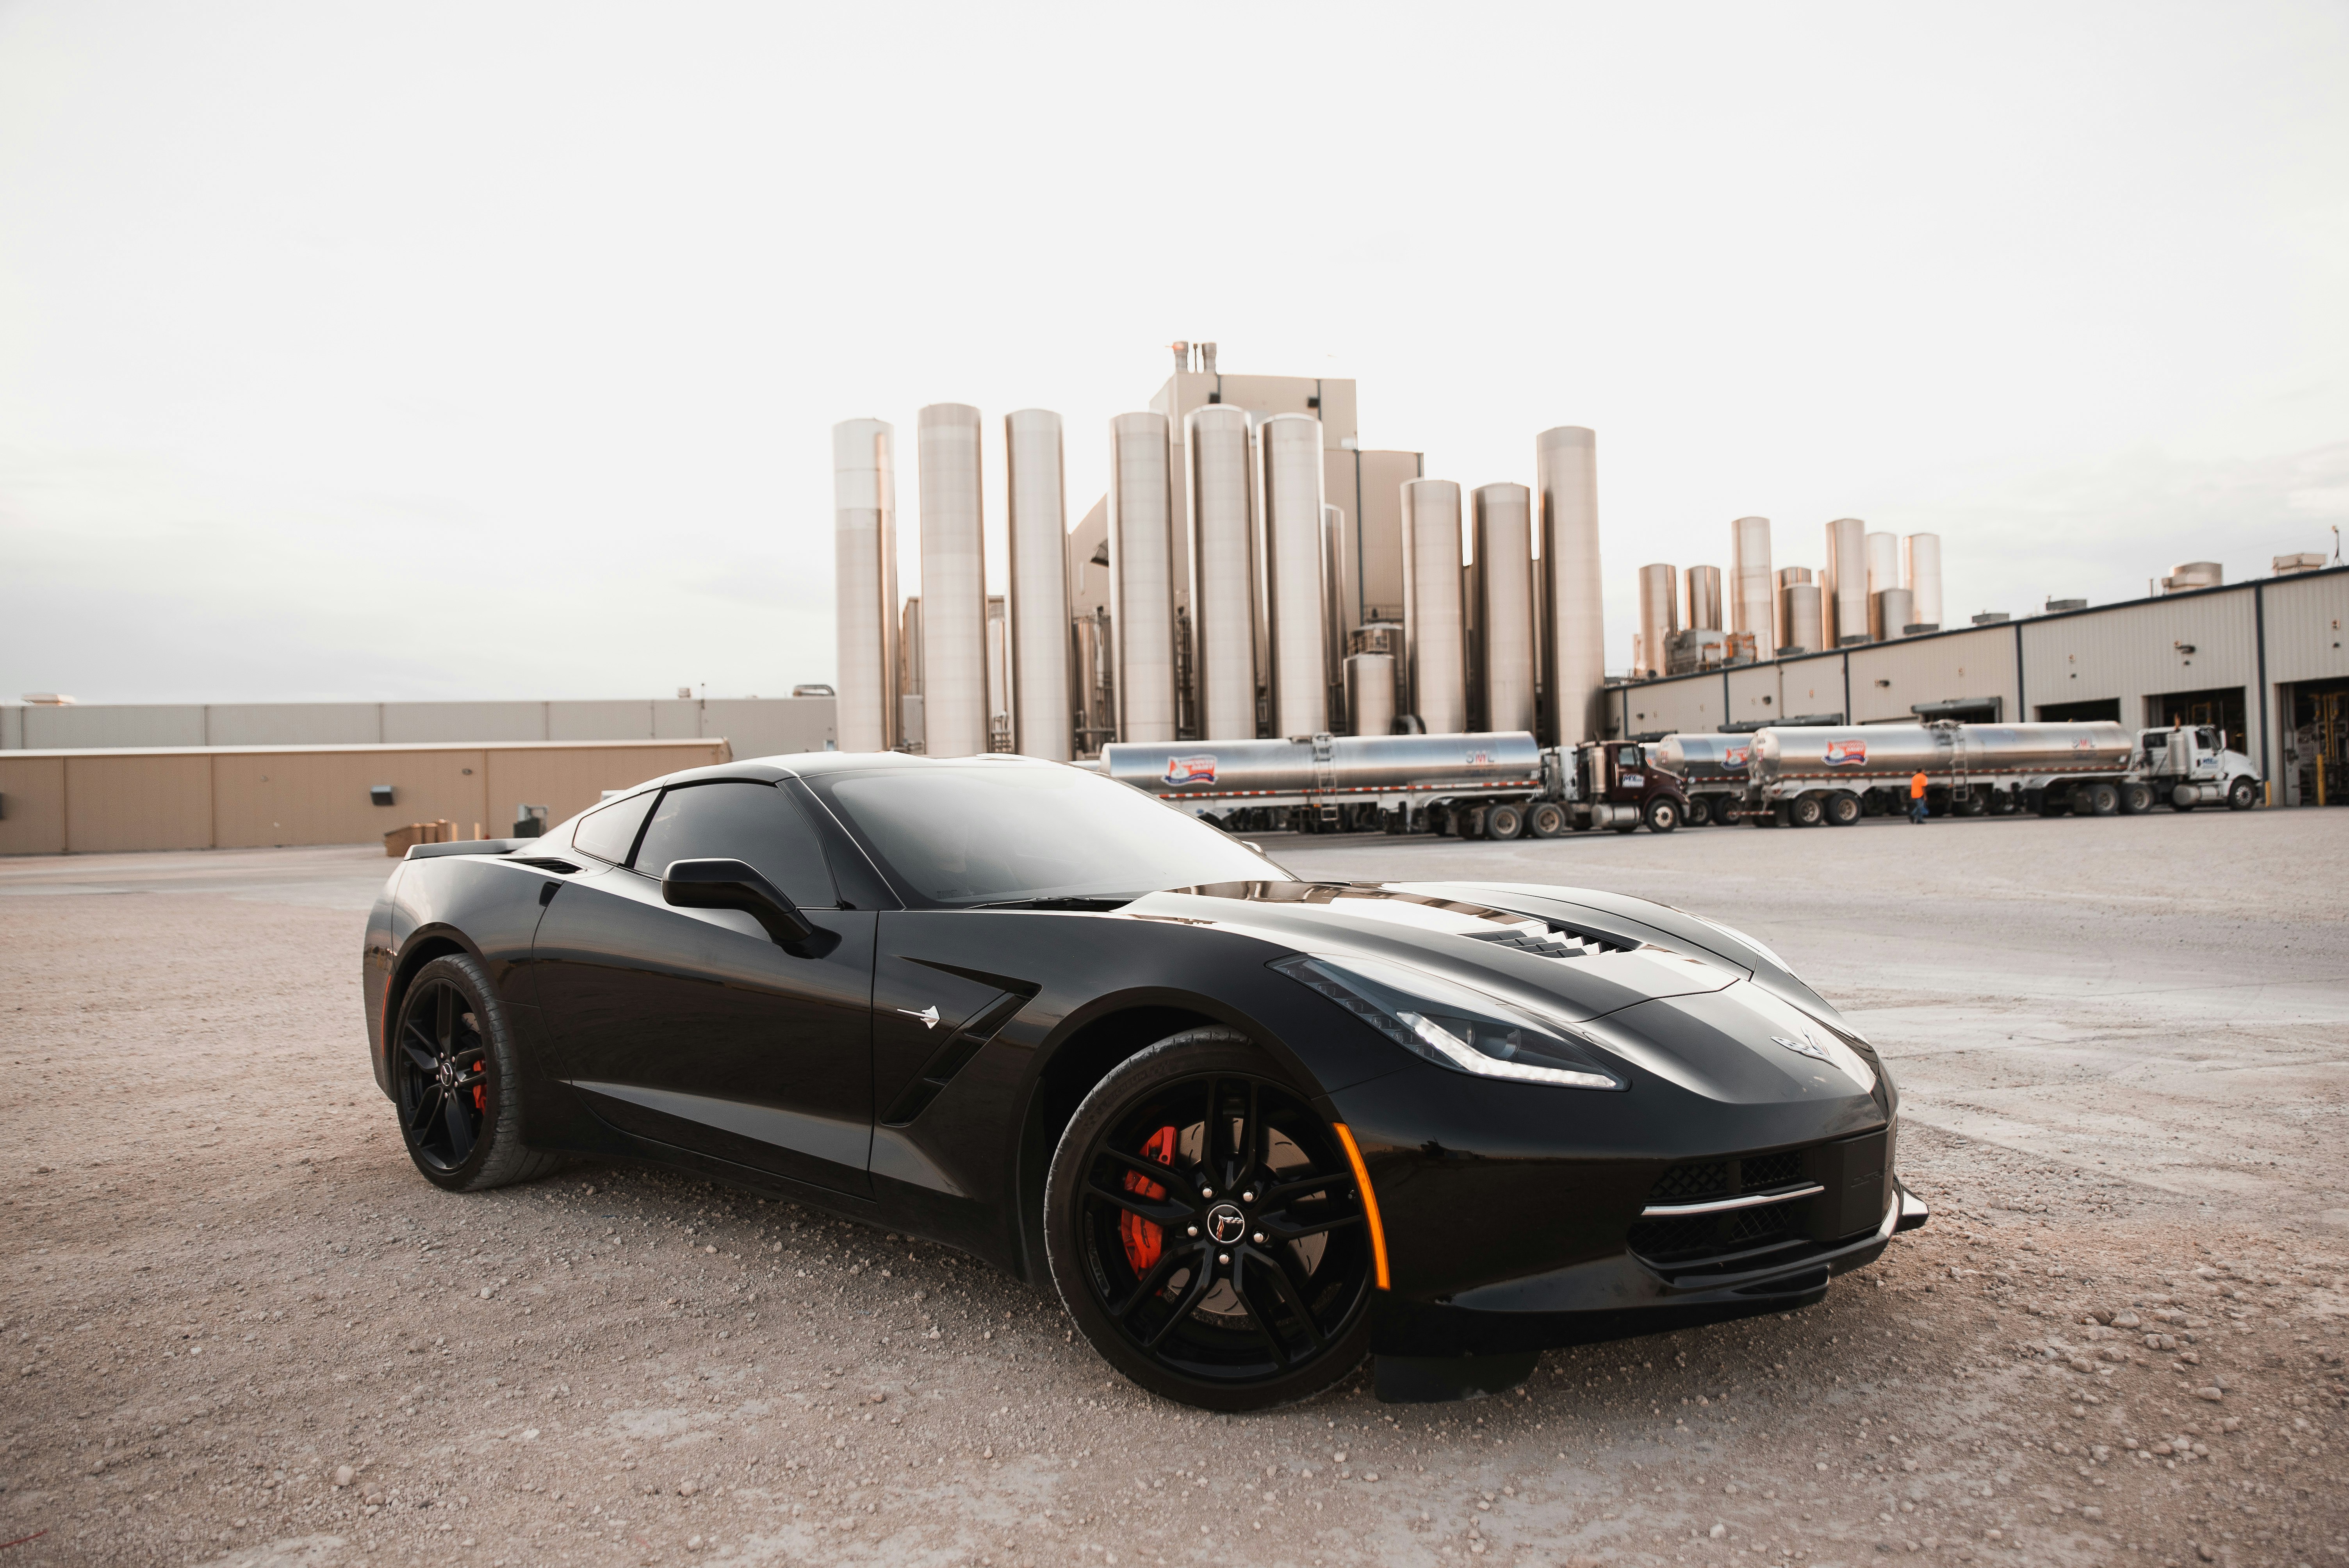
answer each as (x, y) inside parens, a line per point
(1805, 775)
(1711, 768)
(1334, 783)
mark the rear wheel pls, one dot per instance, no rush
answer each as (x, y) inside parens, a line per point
(1204, 1229)
(1843, 810)
(1700, 812)
(1547, 819)
(2136, 799)
(2104, 800)
(1505, 820)
(1807, 811)
(456, 1077)
(2241, 795)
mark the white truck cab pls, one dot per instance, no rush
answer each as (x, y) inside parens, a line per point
(2188, 765)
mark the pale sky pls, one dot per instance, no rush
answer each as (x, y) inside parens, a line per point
(491, 350)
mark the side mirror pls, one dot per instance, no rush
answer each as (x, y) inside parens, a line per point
(735, 884)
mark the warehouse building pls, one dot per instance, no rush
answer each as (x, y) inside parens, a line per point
(2263, 660)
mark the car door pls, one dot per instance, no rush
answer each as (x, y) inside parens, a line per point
(692, 1027)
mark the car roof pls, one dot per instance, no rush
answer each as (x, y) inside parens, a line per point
(819, 764)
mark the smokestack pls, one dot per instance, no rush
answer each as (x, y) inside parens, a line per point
(1038, 498)
(865, 582)
(954, 581)
(1574, 632)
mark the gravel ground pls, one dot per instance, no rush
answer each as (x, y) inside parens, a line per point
(240, 1330)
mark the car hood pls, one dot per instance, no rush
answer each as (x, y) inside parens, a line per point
(1669, 994)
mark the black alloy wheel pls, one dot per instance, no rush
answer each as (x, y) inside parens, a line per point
(455, 1081)
(1206, 1230)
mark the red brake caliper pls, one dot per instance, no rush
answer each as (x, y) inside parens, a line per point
(1141, 1237)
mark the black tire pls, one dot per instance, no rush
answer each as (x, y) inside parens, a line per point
(2104, 800)
(1547, 819)
(2242, 795)
(2136, 799)
(456, 1076)
(1700, 812)
(1807, 811)
(1843, 810)
(1662, 814)
(1505, 820)
(1176, 1313)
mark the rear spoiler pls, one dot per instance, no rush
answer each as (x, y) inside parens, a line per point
(468, 847)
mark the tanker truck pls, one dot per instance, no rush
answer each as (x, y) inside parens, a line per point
(1711, 768)
(1802, 776)
(1497, 785)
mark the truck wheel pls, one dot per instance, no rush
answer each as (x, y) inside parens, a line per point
(1843, 810)
(2104, 800)
(2242, 795)
(2184, 797)
(1547, 819)
(2136, 799)
(1700, 812)
(1505, 822)
(2053, 804)
(1663, 814)
(1807, 811)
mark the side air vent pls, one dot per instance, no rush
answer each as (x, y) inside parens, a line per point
(953, 1056)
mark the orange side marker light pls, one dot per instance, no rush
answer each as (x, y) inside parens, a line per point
(1369, 1202)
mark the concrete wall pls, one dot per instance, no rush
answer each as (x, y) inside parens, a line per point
(757, 726)
(245, 798)
(1890, 680)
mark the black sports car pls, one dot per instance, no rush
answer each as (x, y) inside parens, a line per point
(1251, 1127)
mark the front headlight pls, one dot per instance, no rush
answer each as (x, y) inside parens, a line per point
(1453, 1024)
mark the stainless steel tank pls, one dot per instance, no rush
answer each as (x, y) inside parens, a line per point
(1802, 611)
(1042, 699)
(1216, 446)
(865, 584)
(1141, 577)
(1572, 621)
(1435, 621)
(1658, 615)
(1843, 585)
(1369, 693)
(1502, 589)
(1876, 753)
(1921, 566)
(1231, 771)
(1889, 614)
(954, 582)
(1703, 599)
(1883, 551)
(1753, 594)
(1705, 758)
(1288, 459)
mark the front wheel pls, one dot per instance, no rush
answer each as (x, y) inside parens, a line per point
(456, 1077)
(1206, 1231)
(2241, 795)
(1663, 814)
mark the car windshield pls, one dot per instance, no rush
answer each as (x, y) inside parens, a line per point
(1007, 832)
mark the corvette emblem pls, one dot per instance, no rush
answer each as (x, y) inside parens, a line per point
(1800, 1047)
(928, 1016)
(1226, 1223)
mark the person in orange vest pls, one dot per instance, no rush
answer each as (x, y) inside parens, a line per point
(1916, 798)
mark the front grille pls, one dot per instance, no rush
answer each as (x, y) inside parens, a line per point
(1760, 1173)
(1689, 1184)
(1736, 1239)
(1703, 1178)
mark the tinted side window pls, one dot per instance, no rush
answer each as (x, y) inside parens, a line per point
(608, 833)
(741, 821)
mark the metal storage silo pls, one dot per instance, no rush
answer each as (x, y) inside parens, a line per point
(1921, 566)
(1223, 569)
(1753, 595)
(1889, 614)
(1883, 561)
(1659, 617)
(1704, 598)
(1288, 462)
(1434, 622)
(1843, 585)
(1041, 697)
(1802, 609)
(865, 582)
(1573, 621)
(1141, 577)
(1370, 693)
(1333, 602)
(954, 581)
(1502, 589)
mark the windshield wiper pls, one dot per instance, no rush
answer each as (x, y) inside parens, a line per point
(1095, 901)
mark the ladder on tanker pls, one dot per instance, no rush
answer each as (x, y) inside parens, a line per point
(1325, 777)
(1961, 786)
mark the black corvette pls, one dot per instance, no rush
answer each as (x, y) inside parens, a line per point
(1250, 1128)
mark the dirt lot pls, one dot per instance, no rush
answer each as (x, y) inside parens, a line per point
(241, 1329)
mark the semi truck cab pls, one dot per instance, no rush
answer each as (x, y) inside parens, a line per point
(2190, 765)
(1615, 786)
